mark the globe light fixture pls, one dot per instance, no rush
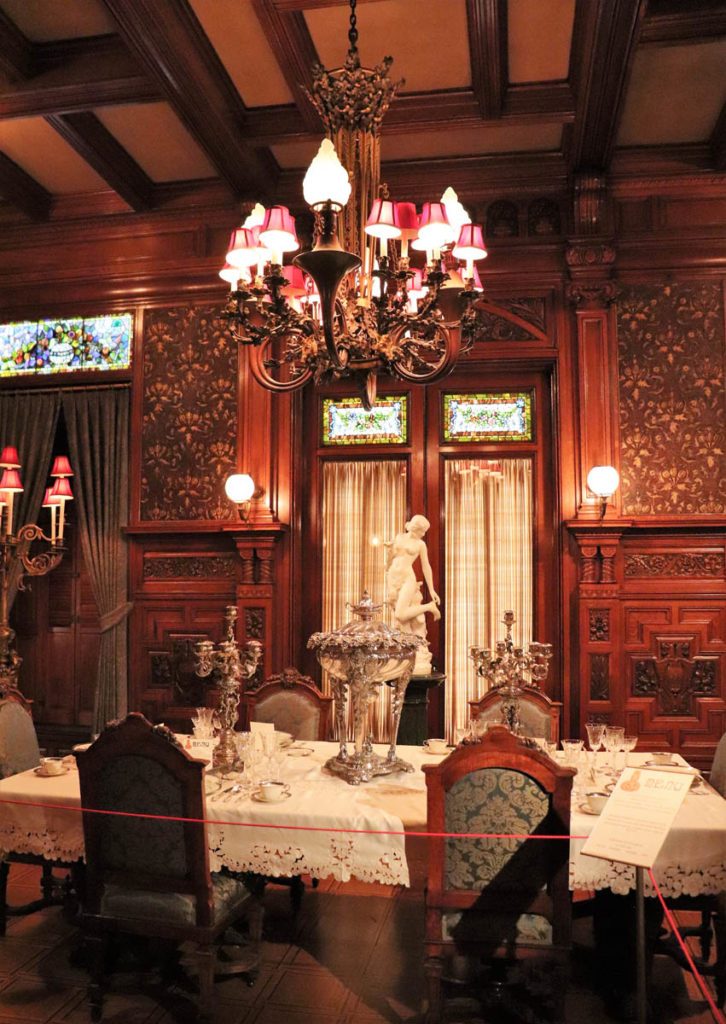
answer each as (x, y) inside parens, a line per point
(603, 481)
(242, 490)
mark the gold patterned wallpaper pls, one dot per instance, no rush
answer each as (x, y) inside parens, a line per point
(189, 430)
(671, 358)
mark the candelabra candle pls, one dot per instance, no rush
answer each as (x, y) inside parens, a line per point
(228, 663)
(505, 672)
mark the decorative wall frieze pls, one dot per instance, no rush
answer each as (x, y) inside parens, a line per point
(182, 567)
(700, 564)
(590, 255)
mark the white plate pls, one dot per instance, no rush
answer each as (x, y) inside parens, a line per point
(271, 803)
(585, 809)
(662, 764)
(51, 775)
(299, 752)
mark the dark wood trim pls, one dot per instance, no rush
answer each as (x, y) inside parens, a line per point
(99, 148)
(23, 191)
(487, 23)
(16, 50)
(287, 33)
(690, 24)
(718, 141)
(170, 43)
(604, 38)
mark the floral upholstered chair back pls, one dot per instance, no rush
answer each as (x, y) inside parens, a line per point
(292, 703)
(18, 741)
(538, 715)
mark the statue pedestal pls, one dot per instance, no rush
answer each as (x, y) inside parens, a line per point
(414, 717)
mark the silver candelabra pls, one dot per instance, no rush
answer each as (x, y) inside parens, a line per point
(505, 670)
(230, 664)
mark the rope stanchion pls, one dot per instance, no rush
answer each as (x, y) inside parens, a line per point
(716, 1012)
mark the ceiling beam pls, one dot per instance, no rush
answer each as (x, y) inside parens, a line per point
(98, 147)
(22, 191)
(487, 22)
(16, 51)
(717, 141)
(604, 37)
(290, 40)
(78, 74)
(172, 46)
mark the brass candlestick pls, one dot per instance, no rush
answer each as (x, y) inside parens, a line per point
(230, 664)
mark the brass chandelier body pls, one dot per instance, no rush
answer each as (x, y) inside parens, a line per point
(362, 322)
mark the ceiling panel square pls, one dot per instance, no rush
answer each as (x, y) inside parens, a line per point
(39, 150)
(157, 140)
(43, 20)
(427, 39)
(539, 39)
(675, 95)
(235, 33)
(471, 142)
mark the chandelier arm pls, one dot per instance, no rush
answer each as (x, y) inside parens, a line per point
(264, 379)
(452, 346)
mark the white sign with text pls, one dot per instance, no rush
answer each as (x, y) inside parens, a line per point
(638, 815)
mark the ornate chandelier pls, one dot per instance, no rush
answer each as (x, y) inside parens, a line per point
(355, 309)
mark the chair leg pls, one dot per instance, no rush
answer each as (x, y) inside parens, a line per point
(205, 965)
(433, 969)
(297, 889)
(96, 950)
(719, 925)
(4, 871)
(47, 882)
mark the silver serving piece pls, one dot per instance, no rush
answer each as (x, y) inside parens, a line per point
(506, 669)
(360, 657)
(230, 664)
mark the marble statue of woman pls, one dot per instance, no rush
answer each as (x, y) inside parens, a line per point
(404, 590)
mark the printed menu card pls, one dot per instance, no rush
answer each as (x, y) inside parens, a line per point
(638, 815)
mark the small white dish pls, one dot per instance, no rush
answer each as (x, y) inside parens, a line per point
(63, 770)
(299, 752)
(258, 798)
(586, 809)
(661, 764)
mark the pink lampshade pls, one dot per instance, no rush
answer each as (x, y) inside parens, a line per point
(383, 220)
(10, 481)
(277, 232)
(295, 288)
(478, 286)
(50, 499)
(415, 285)
(61, 490)
(407, 219)
(242, 248)
(61, 466)
(433, 227)
(470, 245)
(9, 458)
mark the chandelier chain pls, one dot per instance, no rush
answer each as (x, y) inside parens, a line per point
(353, 31)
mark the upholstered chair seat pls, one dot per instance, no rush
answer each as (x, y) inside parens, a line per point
(171, 907)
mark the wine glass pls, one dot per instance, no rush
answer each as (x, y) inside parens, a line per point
(629, 744)
(595, 731)
(612, 738)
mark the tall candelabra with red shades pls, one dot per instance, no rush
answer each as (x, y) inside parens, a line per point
(16, 559)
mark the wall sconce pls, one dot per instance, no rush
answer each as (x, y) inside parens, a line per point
(603, 481)
(242, 490)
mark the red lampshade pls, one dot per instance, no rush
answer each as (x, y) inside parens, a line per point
(478, 287)
(278, 230)
(61, 490)
(415, 285)
(242, 248)
(407, 219)
(50, 499)
(9, 458)
(295, 288)
(470, 245)
(10, 481)
(383, 220)
(61, 466)
(434, 228)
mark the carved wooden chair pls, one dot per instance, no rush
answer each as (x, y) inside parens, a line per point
(19, 751)
(149, 876)
(292, 702)
(497, 901)
(539, 716)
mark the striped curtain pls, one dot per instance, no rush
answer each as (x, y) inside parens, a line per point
(364, 504)
(488, 515)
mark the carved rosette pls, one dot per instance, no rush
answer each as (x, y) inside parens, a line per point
(599, 625)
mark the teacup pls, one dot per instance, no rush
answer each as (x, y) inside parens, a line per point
(52, 765)
(436, 746)
(596, 801)
(273, 791)
(661, 757)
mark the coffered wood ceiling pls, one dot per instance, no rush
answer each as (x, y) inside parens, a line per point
(132, 104)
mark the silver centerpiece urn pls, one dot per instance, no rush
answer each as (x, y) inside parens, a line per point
(360, 657)
(505, 669)
(229, 663)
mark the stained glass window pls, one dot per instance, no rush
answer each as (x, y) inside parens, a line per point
(488, 416)
(345, 421)
(66, 345)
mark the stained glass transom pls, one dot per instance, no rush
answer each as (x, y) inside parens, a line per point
(488, 416)
(66, 345)
(345, 421)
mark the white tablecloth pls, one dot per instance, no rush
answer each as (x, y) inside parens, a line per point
(692, 861)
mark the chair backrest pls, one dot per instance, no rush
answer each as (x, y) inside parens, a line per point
(18, 742)
(135, 768)
(717, 778)
(293, 703)
(500, 786)
(538, 715)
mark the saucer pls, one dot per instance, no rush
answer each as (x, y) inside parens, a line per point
(584, 809)
(299, 752)
(437, 753)
(260, 800)
(51, 775)
(662, 764)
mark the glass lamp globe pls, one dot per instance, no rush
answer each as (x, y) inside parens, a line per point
(326, 179)
(603, 481)
(239, 487)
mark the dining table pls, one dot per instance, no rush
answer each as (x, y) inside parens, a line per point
(328, 828)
